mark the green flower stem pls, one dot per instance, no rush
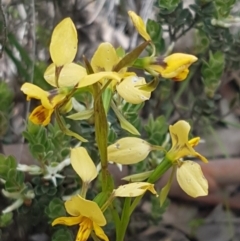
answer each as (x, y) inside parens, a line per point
(125, 218)
(129, 208)
(157, 173)
(101, 127)
(165, 164)
(101, 132)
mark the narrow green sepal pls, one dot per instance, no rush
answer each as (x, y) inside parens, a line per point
(88, 65)
(66, 130)
(107, 96)
(165, 190)
(130, 58)
(83, 115)
(126, 125)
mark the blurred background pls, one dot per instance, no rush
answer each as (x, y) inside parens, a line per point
(208, 99)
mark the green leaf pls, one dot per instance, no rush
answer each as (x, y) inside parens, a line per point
(38, 190)
(128, 107)
(52, 191)
(154, 29)
(62, 234)
(29, 137)
(112, 136)
(156, 129)
(55, 208)
(58, 211)
(168, 7)
(48, 155)
(6, 219)
(55, 201)
(6, 99)
(14, 182)
(11, 162)
(65, 152)
(37, 149)
(44, 189)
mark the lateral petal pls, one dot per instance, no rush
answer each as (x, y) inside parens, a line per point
(191, 179)
(70, 74)
(134, 189)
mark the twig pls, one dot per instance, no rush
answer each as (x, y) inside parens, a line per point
(4, 23)
(187, 29)
(31, 75)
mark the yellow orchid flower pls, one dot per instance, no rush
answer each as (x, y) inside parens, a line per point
(191, 179)
(87, 215)
(189, 173)
(128, 88)
(83, 164)
(128, 150)
(181, 146)
(139, 25)
(41, 115)
(63, 45)
(174, 66)
(127, 84)
(134, 189)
